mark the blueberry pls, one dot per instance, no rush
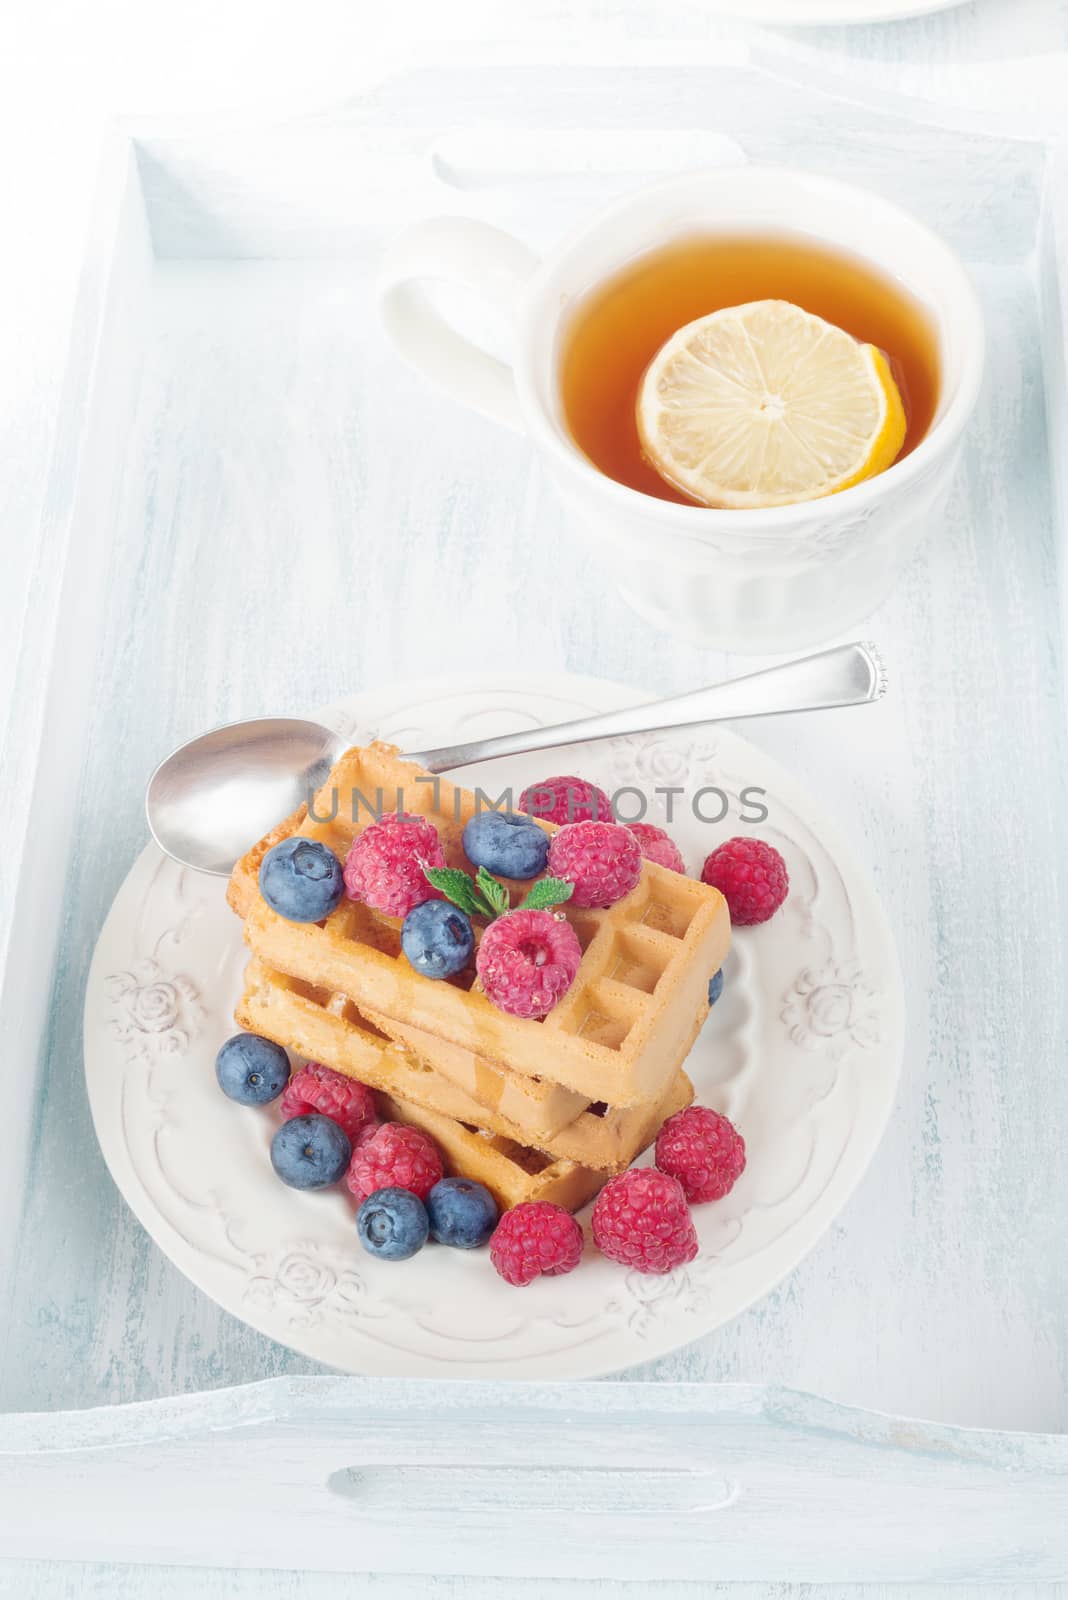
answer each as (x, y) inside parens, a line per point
(310, 1152)
(462, 1213)
(251, 1070)
(715, 987)
(301, 880)
(507, 843)
(392, 1224)
(437, 938)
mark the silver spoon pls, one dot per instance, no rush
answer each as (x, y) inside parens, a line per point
(215, 796)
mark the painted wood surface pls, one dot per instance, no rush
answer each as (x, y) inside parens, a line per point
(965, 1318)
(606, 1481)
(251, 474)
(38, 1580)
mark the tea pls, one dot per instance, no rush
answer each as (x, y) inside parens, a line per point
(616, 330)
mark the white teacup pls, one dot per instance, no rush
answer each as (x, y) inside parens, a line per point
(780, 579)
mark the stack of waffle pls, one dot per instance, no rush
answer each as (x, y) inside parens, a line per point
(536, 1110)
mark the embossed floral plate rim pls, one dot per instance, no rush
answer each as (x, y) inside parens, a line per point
(803, 1050)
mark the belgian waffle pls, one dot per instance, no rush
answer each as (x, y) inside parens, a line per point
(511, 1172)
(626, 1024)
(538, 1106)
(329, 1028)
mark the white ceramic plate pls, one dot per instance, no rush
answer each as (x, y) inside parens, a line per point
(814, 13)
(802, 1052)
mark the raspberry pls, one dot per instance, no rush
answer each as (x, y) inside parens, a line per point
(527, 960)
(533, 1240)
(319, 1088)
(384, 866)
(642, 1220)
(703, 1150)
(366, 1133)
(602, 859)
(394, 1157)
(565, 799)
(751, 876)
(656, 846)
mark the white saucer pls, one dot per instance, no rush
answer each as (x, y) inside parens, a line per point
(802, 1052)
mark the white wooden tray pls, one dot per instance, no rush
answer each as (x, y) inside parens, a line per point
(821, 13)
(711, 1483)
(238, 521)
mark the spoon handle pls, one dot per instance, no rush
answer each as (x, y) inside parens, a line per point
(848, 675)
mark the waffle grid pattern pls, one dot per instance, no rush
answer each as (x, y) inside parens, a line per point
(620, 1033)
(326, 1027)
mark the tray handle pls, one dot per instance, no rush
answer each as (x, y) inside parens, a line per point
(431, 1489)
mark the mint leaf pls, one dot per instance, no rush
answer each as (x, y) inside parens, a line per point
(545, 893)
(493, 892)
(460, 889)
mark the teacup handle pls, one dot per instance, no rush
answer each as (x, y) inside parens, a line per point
(481, 257)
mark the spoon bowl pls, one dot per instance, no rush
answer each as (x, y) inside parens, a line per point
(211, 799)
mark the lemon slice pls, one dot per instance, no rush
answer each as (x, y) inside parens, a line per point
(766, 405)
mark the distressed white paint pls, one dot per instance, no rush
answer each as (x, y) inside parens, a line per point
(82, 1581)
(941, 1293)
(600, 1481)
(827, 13)
(260, 469)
